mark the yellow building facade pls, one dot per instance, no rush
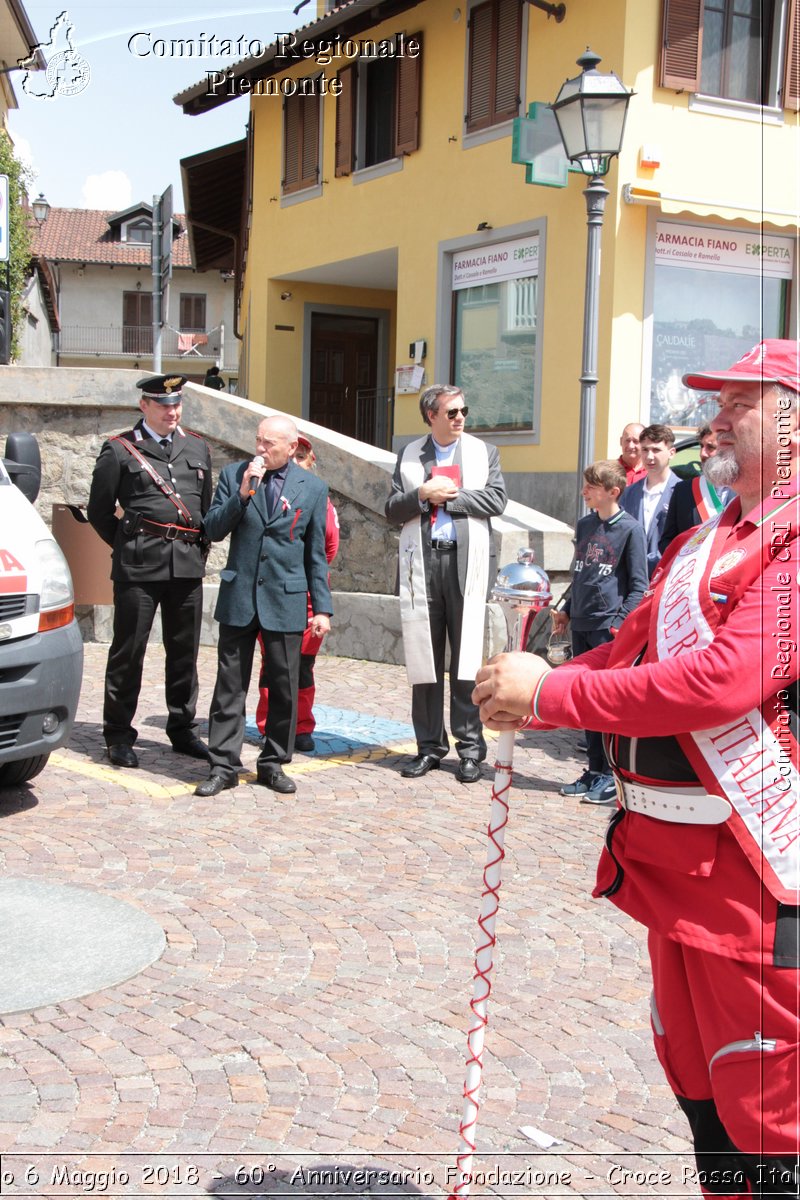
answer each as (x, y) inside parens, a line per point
(388, 240)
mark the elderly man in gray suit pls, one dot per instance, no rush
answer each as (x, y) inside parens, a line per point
(445, 490)
(275, 512)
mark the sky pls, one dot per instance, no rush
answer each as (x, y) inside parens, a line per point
(104, 132)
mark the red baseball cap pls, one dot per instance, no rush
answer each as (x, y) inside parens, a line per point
(776, 360)
(302, 440)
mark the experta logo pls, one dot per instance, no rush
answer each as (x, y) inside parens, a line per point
(67, 74)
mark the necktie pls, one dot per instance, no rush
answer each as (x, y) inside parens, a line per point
(165, 444)
(273, 492)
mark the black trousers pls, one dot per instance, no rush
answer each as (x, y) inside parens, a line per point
(583, 640)
(227, 715)
(135, 604)
(446, 609)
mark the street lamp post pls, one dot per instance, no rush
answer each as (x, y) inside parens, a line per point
(40, 209)
(590, 111)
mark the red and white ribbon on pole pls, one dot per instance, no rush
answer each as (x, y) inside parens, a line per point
(484, 960)
(523, 590)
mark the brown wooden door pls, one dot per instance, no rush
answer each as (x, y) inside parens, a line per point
(137, 323)
(344, 360)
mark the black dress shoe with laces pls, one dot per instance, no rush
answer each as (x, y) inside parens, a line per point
(276, 779)
(214, 785)
(122, 755)
(468, 771)
(420, 766)
(192, 747)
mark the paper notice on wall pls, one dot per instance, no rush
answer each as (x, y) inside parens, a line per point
(408, 380)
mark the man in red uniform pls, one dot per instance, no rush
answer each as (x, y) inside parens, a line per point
(698, 696)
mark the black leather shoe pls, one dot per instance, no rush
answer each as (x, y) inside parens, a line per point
(277, 779)
(420, 766)
(304, 742)
(214, 785)
(192, 747)
(122, 755)
(468, 771)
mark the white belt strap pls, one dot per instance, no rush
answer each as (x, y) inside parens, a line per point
(684, 806)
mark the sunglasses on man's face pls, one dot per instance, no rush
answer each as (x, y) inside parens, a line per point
(452, 413)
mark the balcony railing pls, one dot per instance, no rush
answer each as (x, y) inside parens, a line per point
(136, 341)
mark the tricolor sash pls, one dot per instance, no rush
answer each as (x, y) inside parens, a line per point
(753, 760)
(414, 614)
(706, 499)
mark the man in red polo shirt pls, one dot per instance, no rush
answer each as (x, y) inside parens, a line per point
(631, 457)
(698, 697)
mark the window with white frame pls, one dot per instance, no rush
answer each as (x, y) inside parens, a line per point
(741, 50)
(378, 107)
(138, 231)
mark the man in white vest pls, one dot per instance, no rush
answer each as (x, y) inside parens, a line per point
(698, 698)
(446, 488)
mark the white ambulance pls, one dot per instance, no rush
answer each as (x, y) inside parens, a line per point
(41, 650)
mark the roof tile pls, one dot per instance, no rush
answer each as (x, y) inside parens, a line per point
(84, 235)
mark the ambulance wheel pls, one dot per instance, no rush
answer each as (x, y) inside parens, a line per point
(21, 771)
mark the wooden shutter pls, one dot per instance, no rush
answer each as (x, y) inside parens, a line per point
(479, 65)
(681, 44)
(130, 309)
(137, 322)
(494, 63)
(791, 66)
(291, 144)
(300, 142)
(309, 160)
(407, 106)
(508, 59)
(345, 120)
(192, 312)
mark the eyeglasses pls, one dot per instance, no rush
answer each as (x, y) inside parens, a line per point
(452, 413)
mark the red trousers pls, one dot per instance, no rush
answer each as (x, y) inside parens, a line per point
(726, 1033)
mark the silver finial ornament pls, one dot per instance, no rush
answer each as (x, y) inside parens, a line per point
(522, 590)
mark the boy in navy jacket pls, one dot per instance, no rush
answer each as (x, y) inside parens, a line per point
(609, 578)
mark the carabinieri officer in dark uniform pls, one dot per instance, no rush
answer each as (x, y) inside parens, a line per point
(160, 476)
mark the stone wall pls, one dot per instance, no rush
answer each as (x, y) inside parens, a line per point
(71, 427)
(73, 410)
(367, 558)
(70, 440)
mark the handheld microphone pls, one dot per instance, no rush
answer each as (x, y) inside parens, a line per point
(258, 461)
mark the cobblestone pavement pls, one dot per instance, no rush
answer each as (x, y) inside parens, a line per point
(312, 1000)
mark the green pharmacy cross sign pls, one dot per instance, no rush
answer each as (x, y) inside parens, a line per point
(536, 144)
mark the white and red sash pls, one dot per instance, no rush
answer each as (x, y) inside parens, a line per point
(414, 615)
(754, 759)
